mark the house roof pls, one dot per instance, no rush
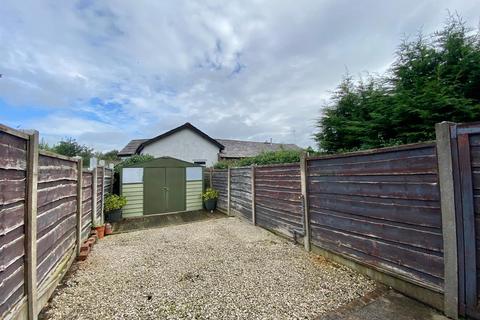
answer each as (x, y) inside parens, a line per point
(131, 147)
(228, 148)
(187, 125)
(242, 149)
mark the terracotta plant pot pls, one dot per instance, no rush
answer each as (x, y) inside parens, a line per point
(108, 229)
(100, 231)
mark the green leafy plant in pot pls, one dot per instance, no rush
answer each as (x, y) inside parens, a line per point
(210, 197)
(113, 207)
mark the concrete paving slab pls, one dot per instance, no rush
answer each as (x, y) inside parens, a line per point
(388, 305)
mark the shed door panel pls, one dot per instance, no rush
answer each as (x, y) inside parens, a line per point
(154, 192)
(175, 192)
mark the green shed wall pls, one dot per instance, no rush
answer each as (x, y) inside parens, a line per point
(134, 194)
(194, 195)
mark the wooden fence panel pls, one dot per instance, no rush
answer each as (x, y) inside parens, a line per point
(56, 211)
(38, 220)
(100, 172)
(380, 208)
(219, 183)
(241, 192)
(278, 204)
(467, 138)
(474, 141)
(87, 190)
(108, 181)
(13, 172)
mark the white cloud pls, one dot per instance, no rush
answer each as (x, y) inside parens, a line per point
(238, 69)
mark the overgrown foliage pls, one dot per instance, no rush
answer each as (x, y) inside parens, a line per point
(71, 148)
(109, 156)
(271, 157)
(135, 159)
(434, 78)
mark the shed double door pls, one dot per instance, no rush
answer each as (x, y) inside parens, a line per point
(164, 190)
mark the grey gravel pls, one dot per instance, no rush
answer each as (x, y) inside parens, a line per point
(217, 269)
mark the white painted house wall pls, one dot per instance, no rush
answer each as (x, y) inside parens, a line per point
(184, 145)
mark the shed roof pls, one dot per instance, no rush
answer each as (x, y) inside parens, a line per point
(164, 162)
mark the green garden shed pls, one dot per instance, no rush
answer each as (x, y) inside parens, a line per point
(160, 186)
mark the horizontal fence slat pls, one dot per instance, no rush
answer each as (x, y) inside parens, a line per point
(13, 167)
(381, 207)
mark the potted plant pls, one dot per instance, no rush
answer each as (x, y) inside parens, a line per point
(210, 197)
(113, 207)
(100, 228)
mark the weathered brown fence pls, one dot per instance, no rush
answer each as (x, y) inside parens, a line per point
(381, 208)
(278, 204)
(108, 184)
(220, 183)
(56, 211)
(461, 207)
(87, 195)
(241, 192)
(99, 173)
(13, 199)
(45, 214)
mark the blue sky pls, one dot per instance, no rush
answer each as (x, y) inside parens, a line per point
(105, 72)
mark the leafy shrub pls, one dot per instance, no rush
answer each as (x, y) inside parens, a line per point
(114, 202)
(271, 157)
(137, 158)
(210, 194)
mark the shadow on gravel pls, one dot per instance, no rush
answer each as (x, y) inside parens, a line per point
(164, 220)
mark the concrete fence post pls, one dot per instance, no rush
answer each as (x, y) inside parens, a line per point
(228, 190)
(102, 217)
(254, 218)
(94, 197)
(304, 188)
(31, 227)
(79, 203)
(449, 228)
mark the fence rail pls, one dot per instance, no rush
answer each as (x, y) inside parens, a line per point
(41, 221)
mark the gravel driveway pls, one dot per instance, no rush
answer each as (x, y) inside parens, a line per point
(217, 269)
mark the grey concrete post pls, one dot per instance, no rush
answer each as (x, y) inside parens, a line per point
(254, 217)
(79, 203)
(95, 222)
(31, 227)
(449, 228)
(306, 215)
